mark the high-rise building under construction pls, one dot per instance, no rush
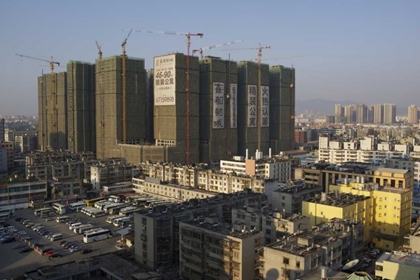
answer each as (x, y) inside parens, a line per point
(110, 108)
(282, 108)
(252, 109)
(52, 111)
(81, 106)
(218, 109)
(170, 106)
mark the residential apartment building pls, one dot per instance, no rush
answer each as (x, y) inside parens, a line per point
(277, 168)
(110, 171)
(57, 156)
(2, 130)
(390, 113)
(328, 244)
(410, 164)
(8, 146)
(201, 177)
(209, 250)
(413, 114)
(157, 237)
(64, 187)
(26, 143)
(273, 224)
(16, 193)
(173, 192)
(324, 174)
(288, 197)
(389, 218)
(378, 117)
(397, 265)
(79, 170)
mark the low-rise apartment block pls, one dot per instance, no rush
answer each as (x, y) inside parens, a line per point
(16, 192)
(110, 171)
(397, 265)
(10, 154)
(57, 156)
(157, 231)
(328, 244)
(276, 167)
(62, 187)
(274, 225)
(288, 197)
(211, 250)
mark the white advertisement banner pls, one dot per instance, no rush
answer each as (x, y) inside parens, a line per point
(233, 105)
(218, 105)
(164, 80)
(252, 106)
(265, 106)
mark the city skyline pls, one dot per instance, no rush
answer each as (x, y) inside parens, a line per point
(348, 63)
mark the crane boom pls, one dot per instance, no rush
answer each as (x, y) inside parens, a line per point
(200, 50)
(276, 58)
(99, 49)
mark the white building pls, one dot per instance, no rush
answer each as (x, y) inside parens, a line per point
(270, 168)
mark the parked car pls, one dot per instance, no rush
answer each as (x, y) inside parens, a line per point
(49, 219)
(44, 233)
(8, 240)
(86, 251)
(75, 249)
(67, 246)
(19, 246)
(26, 250)
(120, 247)
(26, 237)
(44, 251)
(64, 243)
(39, 245)
(49, 253)
(55, 255)
(18, 219)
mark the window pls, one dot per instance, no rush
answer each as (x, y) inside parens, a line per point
(286, 260)
(297, 264)
(268, 223)
(268, 231)
(379, 267)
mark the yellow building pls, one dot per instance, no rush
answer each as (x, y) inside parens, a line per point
(397, 265)
(390, 217)
(339, 205)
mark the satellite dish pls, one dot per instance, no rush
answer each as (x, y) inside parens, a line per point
(350, 264)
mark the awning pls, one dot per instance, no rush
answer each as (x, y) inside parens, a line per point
(124, 231)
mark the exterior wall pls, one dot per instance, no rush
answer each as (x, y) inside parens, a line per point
(290, 202)
(21, 192)
(397, 265)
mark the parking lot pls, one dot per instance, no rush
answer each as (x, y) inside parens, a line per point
(11, 258)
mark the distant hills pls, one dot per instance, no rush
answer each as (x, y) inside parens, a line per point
(326, 107)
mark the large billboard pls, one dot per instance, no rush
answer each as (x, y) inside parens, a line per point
(233, 105)
(218, 105)
(265, 106)
(252, 106)
(164, 80)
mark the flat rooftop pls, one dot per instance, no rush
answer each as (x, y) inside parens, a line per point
(337, 199)
(400, 258)
(220, 228)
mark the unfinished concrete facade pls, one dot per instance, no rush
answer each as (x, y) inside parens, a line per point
(81, 106)
(109, 107)
(282, 108)
(218, 109)
(248, 108)
(52, 111)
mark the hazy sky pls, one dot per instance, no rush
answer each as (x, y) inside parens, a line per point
(364, 51)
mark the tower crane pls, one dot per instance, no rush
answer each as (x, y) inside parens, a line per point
(188, 35)
(200, 50)
(124, 90)
(259, 48)
(51, 63)
(102, 101)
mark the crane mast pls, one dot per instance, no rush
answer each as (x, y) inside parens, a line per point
(124, 90)
(102, 101)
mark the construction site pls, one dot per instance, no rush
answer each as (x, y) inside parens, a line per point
(187, 109)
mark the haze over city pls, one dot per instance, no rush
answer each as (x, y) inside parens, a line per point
(358, 51)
